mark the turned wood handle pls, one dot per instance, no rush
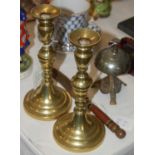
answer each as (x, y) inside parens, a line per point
(120, 133)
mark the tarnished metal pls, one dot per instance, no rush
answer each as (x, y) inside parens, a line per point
(112, 61)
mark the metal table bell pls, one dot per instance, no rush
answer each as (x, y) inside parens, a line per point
(112, 61)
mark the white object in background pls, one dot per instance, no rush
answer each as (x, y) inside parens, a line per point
(73, 16)
(76, 6)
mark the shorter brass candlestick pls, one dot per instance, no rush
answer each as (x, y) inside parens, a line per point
(47, 101)
(80, 131)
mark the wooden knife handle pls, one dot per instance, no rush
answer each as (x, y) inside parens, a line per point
(120, 133)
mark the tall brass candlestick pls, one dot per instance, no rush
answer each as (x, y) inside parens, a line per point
(47, 101)
(80, 131)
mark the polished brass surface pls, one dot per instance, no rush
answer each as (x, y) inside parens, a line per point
(47, 101)
(45, 9)
(84, 38)
(80, 131)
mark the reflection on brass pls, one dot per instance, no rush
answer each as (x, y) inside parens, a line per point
(63, 80)
(47, 101)
(112, 61)
(100, 114)
(80, 131)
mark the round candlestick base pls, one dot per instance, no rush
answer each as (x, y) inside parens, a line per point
(43, 104)
(82, 136)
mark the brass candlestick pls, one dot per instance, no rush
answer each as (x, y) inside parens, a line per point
(80, 131)
(47, 101)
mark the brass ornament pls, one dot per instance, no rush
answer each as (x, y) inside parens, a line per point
(80, 131)
(47, 101)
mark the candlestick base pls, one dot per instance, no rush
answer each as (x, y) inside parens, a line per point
(46, 104)
(79, 136)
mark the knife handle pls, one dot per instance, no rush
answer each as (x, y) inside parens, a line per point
(114, 127)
